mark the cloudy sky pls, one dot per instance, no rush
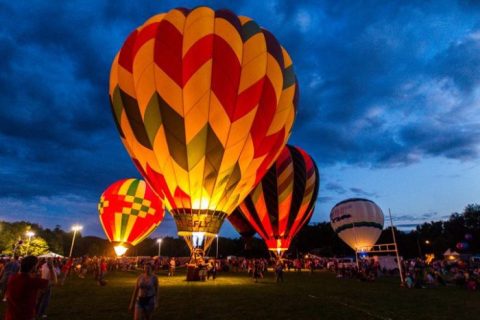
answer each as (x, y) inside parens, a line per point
(389, 106)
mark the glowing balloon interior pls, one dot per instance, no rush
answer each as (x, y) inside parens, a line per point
(358, 222)
(129, 211)
(120, 250)
(283, 202)
(204, 102)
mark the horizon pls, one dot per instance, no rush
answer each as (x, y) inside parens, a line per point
(230, 233)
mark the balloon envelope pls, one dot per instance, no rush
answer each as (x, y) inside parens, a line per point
(462, 245)
(358, 222)
(129, 211)
(283, 202)
(204, 102)
(241, 224)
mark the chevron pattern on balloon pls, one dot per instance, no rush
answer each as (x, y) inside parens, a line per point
(204, 102)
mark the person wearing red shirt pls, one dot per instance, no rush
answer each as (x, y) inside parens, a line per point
(102, 271)
(23, 289)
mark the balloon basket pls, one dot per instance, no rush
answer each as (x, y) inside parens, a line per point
(196, 268)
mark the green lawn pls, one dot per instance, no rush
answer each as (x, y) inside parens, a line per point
(235, 296)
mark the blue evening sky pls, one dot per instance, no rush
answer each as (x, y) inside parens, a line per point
(389, 105)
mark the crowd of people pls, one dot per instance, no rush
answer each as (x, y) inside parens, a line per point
(419, 274)
(39, 276)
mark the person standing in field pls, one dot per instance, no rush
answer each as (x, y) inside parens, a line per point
(102, 270)
(279, 271)
(145, 296)
(65, 271)
(10, 269)
(48, 273)
(23, 289)
(172, 266)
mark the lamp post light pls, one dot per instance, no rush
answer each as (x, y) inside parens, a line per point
(159, 241)
(29, 234)
(216, 255)
(75, 228)
(428, 243)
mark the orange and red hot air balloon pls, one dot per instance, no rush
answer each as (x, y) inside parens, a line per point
(284, 200)
(204, 102)
(129, 211)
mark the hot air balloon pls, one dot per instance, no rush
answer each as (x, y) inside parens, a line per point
(129, 211)
(358, 222)
(204, 102)
(462, 245)
(283, 202)
(242, 226)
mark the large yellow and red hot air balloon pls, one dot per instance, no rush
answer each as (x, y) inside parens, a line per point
(283, 202)
(204, 102)
(129, 211)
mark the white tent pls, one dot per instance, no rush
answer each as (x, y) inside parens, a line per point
(50, 255)
(451, 255)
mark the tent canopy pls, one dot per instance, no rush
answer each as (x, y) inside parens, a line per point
(451, 253)
(51, 255)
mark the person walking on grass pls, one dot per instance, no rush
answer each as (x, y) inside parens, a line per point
(145, 296)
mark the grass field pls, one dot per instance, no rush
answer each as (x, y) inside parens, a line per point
(235, 296)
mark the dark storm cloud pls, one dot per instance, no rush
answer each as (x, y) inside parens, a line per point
(335, 187)
(419, 218)
(362, 193)
(322, 199)
(375, 72)
(382, 84)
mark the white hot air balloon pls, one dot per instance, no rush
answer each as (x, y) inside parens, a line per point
(358, 222)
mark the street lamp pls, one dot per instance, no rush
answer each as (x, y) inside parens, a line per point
(427, 241)
(29, 234)
(216, 255)
(159, 241)
(75, 228)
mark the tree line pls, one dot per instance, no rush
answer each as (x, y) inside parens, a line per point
(431, 237)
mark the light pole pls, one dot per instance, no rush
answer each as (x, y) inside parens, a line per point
(75, 228)
(29, 234)
(216, 255)
(159, 241)
(427, 242)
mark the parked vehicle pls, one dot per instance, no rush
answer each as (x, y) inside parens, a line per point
(341, 263)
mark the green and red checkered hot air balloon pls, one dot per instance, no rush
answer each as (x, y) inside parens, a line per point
(204, 101)
(129, 211)
(283, 202)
